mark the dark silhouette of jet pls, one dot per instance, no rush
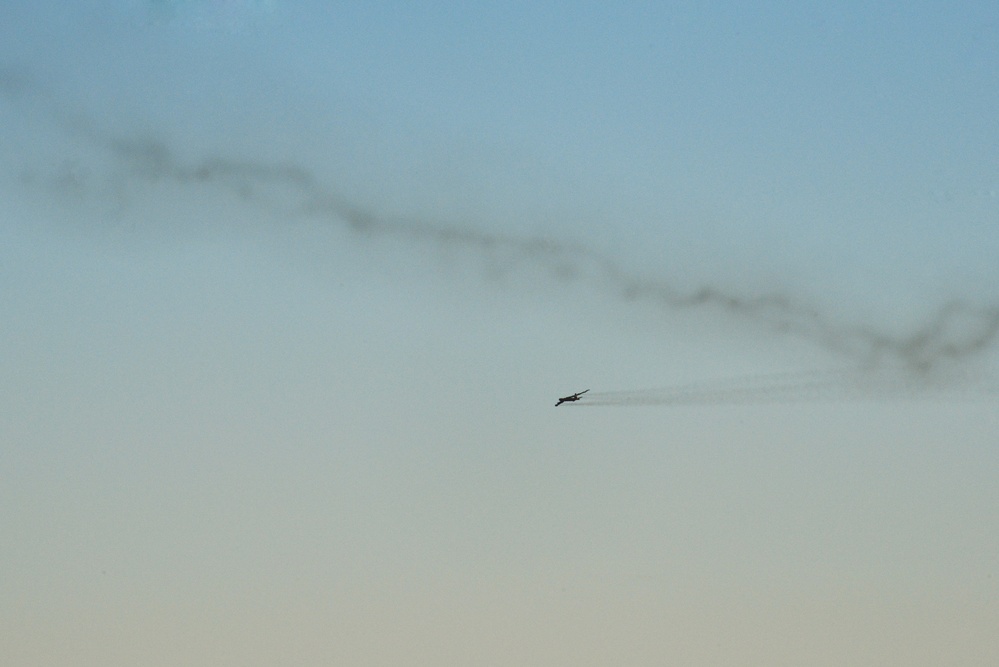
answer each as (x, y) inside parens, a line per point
(570, 399)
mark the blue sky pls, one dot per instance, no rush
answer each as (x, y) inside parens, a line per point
(290, 290)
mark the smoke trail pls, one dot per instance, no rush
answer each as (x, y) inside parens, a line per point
(813, 386)
(957, 330)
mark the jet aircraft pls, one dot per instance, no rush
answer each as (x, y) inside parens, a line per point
(570, 399)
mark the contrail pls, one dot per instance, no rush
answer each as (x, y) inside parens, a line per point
(957, 330)
(803, 387)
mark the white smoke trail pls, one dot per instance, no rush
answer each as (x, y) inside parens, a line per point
(811, 386)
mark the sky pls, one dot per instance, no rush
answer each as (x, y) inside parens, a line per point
(290, 291)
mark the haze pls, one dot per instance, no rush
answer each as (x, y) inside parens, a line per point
(290, 290)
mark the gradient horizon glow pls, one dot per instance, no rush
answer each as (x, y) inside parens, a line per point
(290, 291)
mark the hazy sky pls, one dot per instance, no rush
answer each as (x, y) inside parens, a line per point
(289, 291)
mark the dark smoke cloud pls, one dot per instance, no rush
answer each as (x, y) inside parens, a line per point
(957, 330)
